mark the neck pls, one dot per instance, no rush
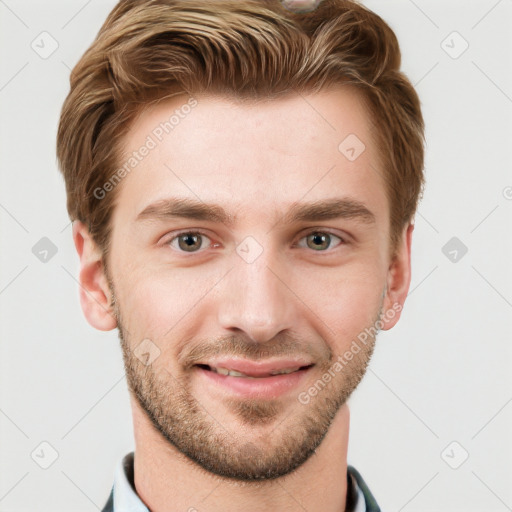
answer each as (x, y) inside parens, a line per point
(167, 481)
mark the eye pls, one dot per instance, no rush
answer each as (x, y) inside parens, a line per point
(188, 241)
(319, 241)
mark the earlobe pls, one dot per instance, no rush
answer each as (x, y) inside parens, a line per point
(398, 280)
(95, 294)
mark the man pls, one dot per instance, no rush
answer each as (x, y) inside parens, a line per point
(243, 178)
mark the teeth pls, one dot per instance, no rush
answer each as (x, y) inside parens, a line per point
(279, 372)
(231, 373)
(234, 373)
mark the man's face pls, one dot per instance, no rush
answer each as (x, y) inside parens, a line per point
(258, 292)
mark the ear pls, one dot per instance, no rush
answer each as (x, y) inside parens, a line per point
(398, 280)
(95, 294)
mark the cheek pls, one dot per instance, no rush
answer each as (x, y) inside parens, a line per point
(345, 303)
(158, 303)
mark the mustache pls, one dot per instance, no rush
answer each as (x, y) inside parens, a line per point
(237, 346)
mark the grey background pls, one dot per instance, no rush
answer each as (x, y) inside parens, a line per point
(441, 375)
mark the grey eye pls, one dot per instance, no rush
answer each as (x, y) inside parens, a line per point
(188, 242)
(320, 241)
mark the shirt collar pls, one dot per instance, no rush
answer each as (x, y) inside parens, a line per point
(125, 497)
(127, 500)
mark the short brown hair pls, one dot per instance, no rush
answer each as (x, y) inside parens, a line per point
(248, 49)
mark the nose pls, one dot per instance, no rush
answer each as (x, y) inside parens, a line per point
(255, 298)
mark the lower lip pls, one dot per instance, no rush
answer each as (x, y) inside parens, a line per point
(261, 387)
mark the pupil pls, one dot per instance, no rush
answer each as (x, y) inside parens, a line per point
(319, 239)
(189, 241)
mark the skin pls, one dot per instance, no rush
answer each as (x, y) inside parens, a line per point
(298, 297)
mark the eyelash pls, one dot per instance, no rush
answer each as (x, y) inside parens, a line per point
(311, 232)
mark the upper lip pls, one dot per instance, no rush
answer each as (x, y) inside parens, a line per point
(257, 368)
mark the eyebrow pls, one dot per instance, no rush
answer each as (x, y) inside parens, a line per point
(187, 208)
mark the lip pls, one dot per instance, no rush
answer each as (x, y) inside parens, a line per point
(257, 368)
(261, 387)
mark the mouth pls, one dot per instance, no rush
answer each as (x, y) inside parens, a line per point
(249, 379)
(252, 374)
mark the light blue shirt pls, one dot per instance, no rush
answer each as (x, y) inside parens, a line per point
(127, 500)
(125, 497)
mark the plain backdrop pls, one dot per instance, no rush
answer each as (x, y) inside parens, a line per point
(431, 422)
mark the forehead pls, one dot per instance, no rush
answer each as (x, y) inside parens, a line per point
(252, 155)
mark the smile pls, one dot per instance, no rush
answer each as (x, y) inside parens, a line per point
(235, 373)
(250, 380)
